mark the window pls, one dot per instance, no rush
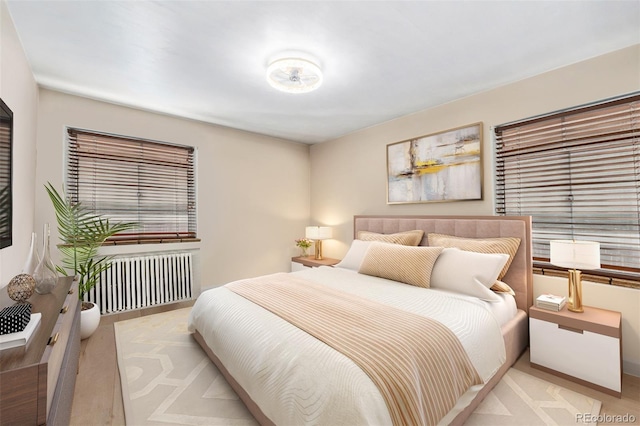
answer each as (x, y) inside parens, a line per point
(577, 173)
(134, 180)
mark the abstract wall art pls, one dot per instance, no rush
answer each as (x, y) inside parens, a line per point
(444, 166)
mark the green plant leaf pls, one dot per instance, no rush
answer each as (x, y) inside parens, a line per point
(82, 234)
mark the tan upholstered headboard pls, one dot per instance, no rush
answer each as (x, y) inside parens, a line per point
(520, 274)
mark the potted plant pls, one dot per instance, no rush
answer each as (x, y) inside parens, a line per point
(82, 233)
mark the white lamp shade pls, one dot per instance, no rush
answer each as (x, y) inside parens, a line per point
(318, 232)
(575, 254)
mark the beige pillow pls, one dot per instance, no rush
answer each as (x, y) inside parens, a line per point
(502, 287)
(409, 265)
(506, 245)
(407, 238)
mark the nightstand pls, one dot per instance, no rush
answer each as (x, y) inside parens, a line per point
(582, 347)
(299, 263)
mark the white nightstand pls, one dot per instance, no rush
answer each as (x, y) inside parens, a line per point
(299, 263)
(583, 347)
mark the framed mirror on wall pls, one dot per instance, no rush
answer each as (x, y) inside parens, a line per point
(6, 199)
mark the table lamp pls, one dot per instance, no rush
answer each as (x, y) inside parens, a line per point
(318, 233)
(574, 254)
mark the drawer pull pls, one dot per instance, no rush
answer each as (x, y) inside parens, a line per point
(53, 339)
(574, 330)
(64, 310)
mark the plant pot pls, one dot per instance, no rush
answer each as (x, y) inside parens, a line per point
(89, 319)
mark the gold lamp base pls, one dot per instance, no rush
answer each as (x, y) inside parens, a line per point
(575, 291)
(318, 249)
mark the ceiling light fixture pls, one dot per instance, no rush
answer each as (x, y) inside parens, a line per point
(294, 75)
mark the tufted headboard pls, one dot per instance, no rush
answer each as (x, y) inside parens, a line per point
(520, 274)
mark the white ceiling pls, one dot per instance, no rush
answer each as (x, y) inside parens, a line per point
(206, 60)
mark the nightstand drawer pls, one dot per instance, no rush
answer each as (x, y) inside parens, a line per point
(583, 354)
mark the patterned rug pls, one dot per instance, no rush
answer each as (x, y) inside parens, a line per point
(168, 379)
(521, 399)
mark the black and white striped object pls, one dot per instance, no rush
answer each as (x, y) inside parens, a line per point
(15, 318)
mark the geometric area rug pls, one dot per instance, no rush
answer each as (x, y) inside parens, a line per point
(521, 399)
(167, 379)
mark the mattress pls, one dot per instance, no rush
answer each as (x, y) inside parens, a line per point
(296, 379)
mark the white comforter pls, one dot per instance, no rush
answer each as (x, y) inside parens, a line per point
(296, 379)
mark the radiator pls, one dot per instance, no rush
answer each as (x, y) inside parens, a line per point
(142, 281)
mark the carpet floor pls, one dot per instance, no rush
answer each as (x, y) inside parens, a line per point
(167, 379)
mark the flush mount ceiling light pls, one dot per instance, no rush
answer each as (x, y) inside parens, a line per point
(294, 75)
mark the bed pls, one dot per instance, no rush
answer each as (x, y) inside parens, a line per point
(319, 372)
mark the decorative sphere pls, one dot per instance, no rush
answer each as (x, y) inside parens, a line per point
(21, 287)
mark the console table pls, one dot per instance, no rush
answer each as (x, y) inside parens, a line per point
(37, 381)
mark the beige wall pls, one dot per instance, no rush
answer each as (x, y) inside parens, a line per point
(19, 91)
(252, 194)
(348, 175)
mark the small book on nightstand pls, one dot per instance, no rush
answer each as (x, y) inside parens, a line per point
(551, 302)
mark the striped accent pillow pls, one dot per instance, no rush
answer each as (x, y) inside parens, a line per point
(506, 245)
(502, 287)
(407, 238)
(409, 265)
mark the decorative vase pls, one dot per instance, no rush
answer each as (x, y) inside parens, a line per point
(32, 259)
(89, 319)
(45, 274)
(303, 252)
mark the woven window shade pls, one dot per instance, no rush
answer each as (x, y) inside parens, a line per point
(577, 173)
(133, 180)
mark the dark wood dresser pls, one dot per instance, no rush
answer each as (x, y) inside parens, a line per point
(37, 381)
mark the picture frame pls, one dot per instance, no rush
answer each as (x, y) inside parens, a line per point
(439, 167)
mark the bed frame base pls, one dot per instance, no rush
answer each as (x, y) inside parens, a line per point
(516, 340)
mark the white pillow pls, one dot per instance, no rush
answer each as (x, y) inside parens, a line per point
(355, 255)
(468, 272)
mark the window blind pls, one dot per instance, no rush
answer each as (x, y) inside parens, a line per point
(133, 180)
(577, 173)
